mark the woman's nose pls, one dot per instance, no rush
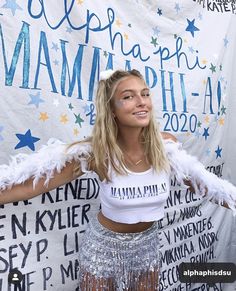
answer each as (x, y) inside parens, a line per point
(140, 100)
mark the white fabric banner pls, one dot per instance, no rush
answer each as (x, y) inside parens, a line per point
(51, 53)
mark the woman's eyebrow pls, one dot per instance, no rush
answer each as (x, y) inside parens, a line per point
(132, 90)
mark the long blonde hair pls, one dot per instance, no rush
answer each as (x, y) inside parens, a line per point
(105, 149)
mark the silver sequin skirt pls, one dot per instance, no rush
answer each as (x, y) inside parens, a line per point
(118, 261)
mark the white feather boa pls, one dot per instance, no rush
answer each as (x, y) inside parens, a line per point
(50, 158)
(187, 167)
(53, 157)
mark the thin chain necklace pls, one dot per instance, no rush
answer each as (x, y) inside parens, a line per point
(131, 160)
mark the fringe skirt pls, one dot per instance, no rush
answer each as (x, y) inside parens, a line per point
(118, 261)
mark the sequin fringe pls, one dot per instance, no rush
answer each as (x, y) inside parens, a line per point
(118, 261)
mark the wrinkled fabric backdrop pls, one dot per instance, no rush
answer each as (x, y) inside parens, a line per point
(51, 53)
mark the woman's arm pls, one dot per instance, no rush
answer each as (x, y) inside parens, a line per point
(189, 170)
(28, 190)
(52, 166)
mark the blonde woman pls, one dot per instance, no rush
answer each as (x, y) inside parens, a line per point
(120, 246)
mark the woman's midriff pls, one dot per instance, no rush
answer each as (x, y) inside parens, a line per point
(123, 227)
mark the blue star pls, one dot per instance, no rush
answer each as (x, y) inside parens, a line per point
(218, 152)
(191, 49)
(226, 41)
(56, 62)
(68, 29)
(35, 99)
(159, 11)
(26, 140)
(70, 106)
(11, 4)
(55, 46)
(191, 27)
(206, 134)
(156, 31)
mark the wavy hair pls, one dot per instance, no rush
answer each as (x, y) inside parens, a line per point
(105, 149)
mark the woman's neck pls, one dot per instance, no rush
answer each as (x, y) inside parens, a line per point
(130, 142)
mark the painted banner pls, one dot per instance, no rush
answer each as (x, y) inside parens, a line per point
(51, 54)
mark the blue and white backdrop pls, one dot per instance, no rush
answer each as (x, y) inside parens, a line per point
(51, 53)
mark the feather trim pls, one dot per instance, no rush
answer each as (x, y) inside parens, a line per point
(187, 167)
(50, 158)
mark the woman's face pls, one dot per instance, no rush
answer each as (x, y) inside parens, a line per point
(132, 103)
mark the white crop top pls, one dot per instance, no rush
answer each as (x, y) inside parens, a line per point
(136, 197)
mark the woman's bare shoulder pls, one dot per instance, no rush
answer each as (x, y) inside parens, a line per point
(167, 135)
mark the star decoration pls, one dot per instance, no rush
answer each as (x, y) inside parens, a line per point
(105, 54)
(78, 119)
(221, 121)
(126, 36)
(199, 124)
(68, 29)
(175, 35)
(43, 116)
(207, 119)
(26, 140)
(12, 5)
(70, 106)
(206, 134)
(129, 25)
(56, 62)
(154, 41)
(118, 23)
(156, 31)
(223, 109)
(76, 132)
(159, 11)
(35, 99)
(226, 41)
(63, 118)
(55, 46)
(221, 67)
(213, 68)
(191, 49)
(218, 152)
(191, 27)
(204, 61)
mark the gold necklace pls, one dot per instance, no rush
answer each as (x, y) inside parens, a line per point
(132, 162)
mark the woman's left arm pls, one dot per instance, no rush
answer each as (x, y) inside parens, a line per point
(192, 173)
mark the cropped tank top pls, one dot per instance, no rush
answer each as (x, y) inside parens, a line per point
(135, 197)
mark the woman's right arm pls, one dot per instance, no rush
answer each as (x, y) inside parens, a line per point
(27, 190)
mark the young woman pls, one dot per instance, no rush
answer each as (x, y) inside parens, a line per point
(120, 247)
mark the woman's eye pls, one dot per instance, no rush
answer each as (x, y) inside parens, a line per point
(128, 97)
(146, 94)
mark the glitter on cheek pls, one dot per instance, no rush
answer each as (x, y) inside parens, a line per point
(119, 103)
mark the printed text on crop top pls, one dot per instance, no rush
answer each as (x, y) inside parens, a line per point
(135, 197)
